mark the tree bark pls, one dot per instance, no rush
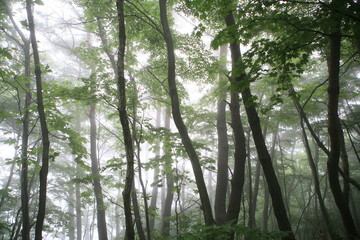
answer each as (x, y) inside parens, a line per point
(25, 45)
(238, 179)
(155, 190)
(78, 210)
(165, 229)
(254, 121)
(100, 206)
(334, 126)
(129, 148)
(313, 167)
(137, 216)
(223, 146)
(43, 124)
(175, 105)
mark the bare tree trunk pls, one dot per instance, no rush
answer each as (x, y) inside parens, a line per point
(44, 129)
(155, 190)
(313, 167)
(25, 129)
(125, 123)
(165, 229)
(254, 121)
(334, 126)
(175, 105)
(71, 207)
(100, 206)
(223, 145)
(78, 211)
(266, 212)
(238, 179)
(137, 216)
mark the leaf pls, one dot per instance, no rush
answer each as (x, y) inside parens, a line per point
(24, 23)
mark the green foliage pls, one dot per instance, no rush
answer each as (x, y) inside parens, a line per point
(200, 232)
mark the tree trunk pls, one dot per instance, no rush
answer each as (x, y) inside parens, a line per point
(78, 211)
(334, 126)
(125, 123)
(168, 169)
(254, 121)
(155, 190)
(71, 209)
(254, 196)
(175, 105)
(223, 146)
(100, 207)
(313, 168)
(137, 215)
(25, 130)
(238, 179)
(44, 129)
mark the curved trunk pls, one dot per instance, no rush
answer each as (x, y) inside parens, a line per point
(263, 154)
(125, 123)
(334, 129)
(44, 129)
(238, 179)
(175, 105)
(100, 207)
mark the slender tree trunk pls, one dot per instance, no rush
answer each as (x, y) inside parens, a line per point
(175, 105)
(266, 212)
(137, 216)
(78, 211)
(334, 126)
(44, 129)
(223, 146)
(125, 122)
(137, 142)
(165, 229)
(155, 190)
(238, 179)
(254, 121)
(313, 168)
(100, 206)
(71, 207)
(25, 130)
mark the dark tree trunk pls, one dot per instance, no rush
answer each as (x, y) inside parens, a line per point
(44, 129)
(334, 127)
(25, 130)
(100, 207)
(129, 148)
(254, 196)
(223, 146)
(238, 179)
(263, 154)
(313, 168)
(165, 229)
(175, 105)
(137, 216)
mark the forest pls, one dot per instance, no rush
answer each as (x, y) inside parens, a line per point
(179, 119)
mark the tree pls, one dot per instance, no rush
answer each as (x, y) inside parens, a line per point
(125, 122)
(44, 129)
(254, 121)
(175, 107)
